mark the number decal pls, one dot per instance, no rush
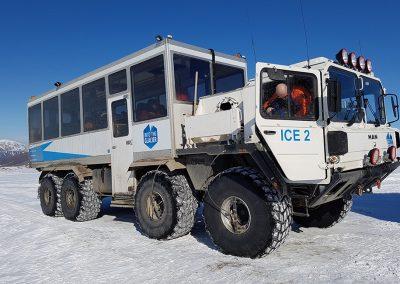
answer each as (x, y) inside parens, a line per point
(295, 135)
(307, 133)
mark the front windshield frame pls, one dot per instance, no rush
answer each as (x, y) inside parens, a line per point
(377, 105)
(351, 102)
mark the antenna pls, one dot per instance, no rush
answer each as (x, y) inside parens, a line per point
(252, 37)
(305, 34)
(359, 45)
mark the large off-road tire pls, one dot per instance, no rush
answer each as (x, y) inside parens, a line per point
(326, 215)
(79, 201)
(49, 193)
(244, 215)
(165, 206)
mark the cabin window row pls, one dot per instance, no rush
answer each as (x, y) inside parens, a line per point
(62, 114)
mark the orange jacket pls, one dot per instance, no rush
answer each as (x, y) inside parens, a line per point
(300, 96)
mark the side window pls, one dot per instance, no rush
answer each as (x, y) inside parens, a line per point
(50, 119)
(185, 69)
(117, 82)
(119, 111)
(35, 123)
(288, 95)
(228, 78)
(349, 103)
(148, 89)
(94, 105)
(70, 113)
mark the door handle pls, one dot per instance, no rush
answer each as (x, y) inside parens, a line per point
(114, 147)
(269, 132)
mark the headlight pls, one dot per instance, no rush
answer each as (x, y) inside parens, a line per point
(342, 56)
(361, 63)
(374, 156)
(353, 60)
(368, 65)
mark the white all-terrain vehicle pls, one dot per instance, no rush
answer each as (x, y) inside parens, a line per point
(173, 125)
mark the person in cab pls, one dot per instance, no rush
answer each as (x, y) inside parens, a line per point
(277, 104)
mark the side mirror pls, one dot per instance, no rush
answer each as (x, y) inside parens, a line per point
(334, 95)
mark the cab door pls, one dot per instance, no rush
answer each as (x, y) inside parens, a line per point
(292, 125)
(121, 142)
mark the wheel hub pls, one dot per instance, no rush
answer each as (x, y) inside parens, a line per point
(47, 196)
(70, 198)
(155, 206)
(235, 215)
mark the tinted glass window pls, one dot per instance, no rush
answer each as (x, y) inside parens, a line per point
(148, 84)
(94, 105)
(120, 118)
(288, 95)
(228, 78)
(117, 82)
(70, 113)
(35, 123)
(374, 107)
(50, 118)
(349, 104)
(185, 69)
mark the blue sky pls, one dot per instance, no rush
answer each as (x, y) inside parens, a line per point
(47, 41)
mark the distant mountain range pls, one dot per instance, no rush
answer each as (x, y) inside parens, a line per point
(13, 153)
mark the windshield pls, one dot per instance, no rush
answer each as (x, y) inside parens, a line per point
(349, 101)
(375, 110)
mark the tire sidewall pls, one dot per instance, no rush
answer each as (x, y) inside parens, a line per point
(161, 228)
(70, 184)
(259, 233)
(48, 184)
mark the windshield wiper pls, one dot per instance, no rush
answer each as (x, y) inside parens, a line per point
(377, 122)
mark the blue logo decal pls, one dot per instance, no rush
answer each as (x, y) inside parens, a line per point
(150, 136)
(389, 139)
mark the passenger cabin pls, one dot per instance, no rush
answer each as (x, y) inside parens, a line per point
(129, 111)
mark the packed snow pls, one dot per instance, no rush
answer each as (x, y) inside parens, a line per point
(36, 248)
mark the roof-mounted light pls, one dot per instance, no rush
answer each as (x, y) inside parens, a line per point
(353, 59)
(361, 63)
(368, 66)
(342, 56)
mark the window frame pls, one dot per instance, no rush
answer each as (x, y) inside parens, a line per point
(82, 107)
(316, 98)
(59, 117)
(232, 66)
(41, 123)
(127, 118)
(341, 70)
(80, 112)
(132, 85)
(108, 93)
(172, 53)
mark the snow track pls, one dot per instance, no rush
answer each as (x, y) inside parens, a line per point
(36, 248)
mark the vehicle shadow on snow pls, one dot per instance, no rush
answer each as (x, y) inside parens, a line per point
(382, 206)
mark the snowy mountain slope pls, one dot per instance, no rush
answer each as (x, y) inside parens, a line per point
(12, 153)
(36, 248)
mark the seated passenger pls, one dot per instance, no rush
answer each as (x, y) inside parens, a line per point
(156, 109)
(142, 112)
(277, 104)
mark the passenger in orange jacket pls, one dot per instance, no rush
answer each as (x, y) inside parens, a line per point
(277, 104)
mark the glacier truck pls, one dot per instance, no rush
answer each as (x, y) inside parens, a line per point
(174, 125)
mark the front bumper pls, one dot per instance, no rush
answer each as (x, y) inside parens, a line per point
(345, 183)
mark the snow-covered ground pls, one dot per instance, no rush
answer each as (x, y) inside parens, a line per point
(35, 248)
